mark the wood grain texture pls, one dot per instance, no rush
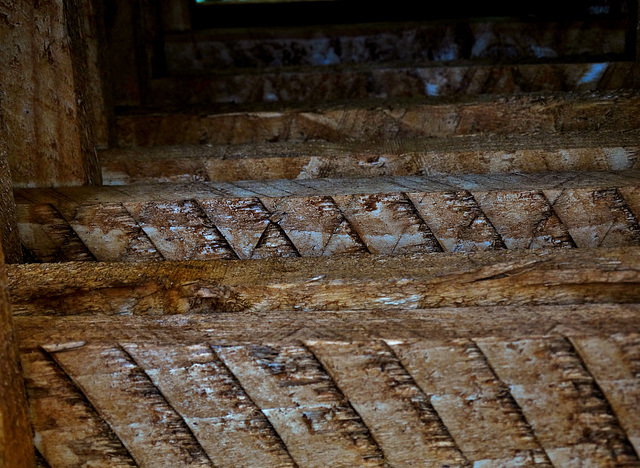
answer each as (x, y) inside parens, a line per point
(327, 84)
(46, 108)
(292, 326)
(9, 234)
(362, 403)
(562, 402)
(602, 151)
(331, 283)
(16, 446)
(435, 42)
(320, 217)
(376, 121)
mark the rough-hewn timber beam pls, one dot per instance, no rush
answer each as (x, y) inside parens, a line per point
(46, 104)
(333, 283)
(16, 442)
(370, 121)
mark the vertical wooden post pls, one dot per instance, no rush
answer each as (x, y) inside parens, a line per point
(16, 441)
(9, 235)
(45, 102)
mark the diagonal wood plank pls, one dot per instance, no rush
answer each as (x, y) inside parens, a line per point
(397, 412)
(315, 421)
(68, 430)
(615, 364)
(229, 426)
(151, 430)
(563, 403)
(476, 407)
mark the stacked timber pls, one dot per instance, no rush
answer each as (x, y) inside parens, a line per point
(409, 255)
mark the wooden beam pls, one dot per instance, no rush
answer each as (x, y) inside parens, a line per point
(322, 84)
(16, 441)
(376, 43)
(473, 154)
(9, 234)
(325, 217)
(45, 102)
(333, 283)
(372, 121)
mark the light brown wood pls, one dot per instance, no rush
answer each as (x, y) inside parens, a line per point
(45, 103)
(601, 151)
(321, 217)
(371, 121)
(330, 283)
(16, 444)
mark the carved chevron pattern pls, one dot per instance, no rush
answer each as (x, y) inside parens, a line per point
(290, 224)
(540, 401)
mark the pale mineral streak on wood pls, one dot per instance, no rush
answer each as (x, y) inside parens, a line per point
(562, 276)
(291, 326)
(314, 419)
(387, 223)
(316, 226)
(614, 362)
(308, 160)
(524, 220)
(16, 446)
(391, 215)
(183, 225)
(561, 401)
(457, 221)
(229, 426)
(475, 406)
(45, 107)
(48, 237)
(68, 430)
(325, 84)
(398, 414)
(110, 232)
(537, 115)
(124, 396)
(599, 218)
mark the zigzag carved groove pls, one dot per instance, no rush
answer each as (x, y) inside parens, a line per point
(453, 402)
(283, 218)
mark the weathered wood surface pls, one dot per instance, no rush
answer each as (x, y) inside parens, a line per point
(602, 151)
(321, 217)
(45, 104)
(329, 84)
(332, 283)
(201, 51)
(373, 121)
(527, 401)
(16, 446)
(9, 234)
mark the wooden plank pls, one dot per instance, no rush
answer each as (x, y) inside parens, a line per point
(564, 276)
(45, 104)
(560, 399)
(474, 404)
(397, 412)
(230, 427)
(148, 426)
(314, 419)
(16, 445)
(371, 121)
(68, 430)
(613, 362)
(330, 216)
(377, 43)
(602, 151)
(335, 84)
